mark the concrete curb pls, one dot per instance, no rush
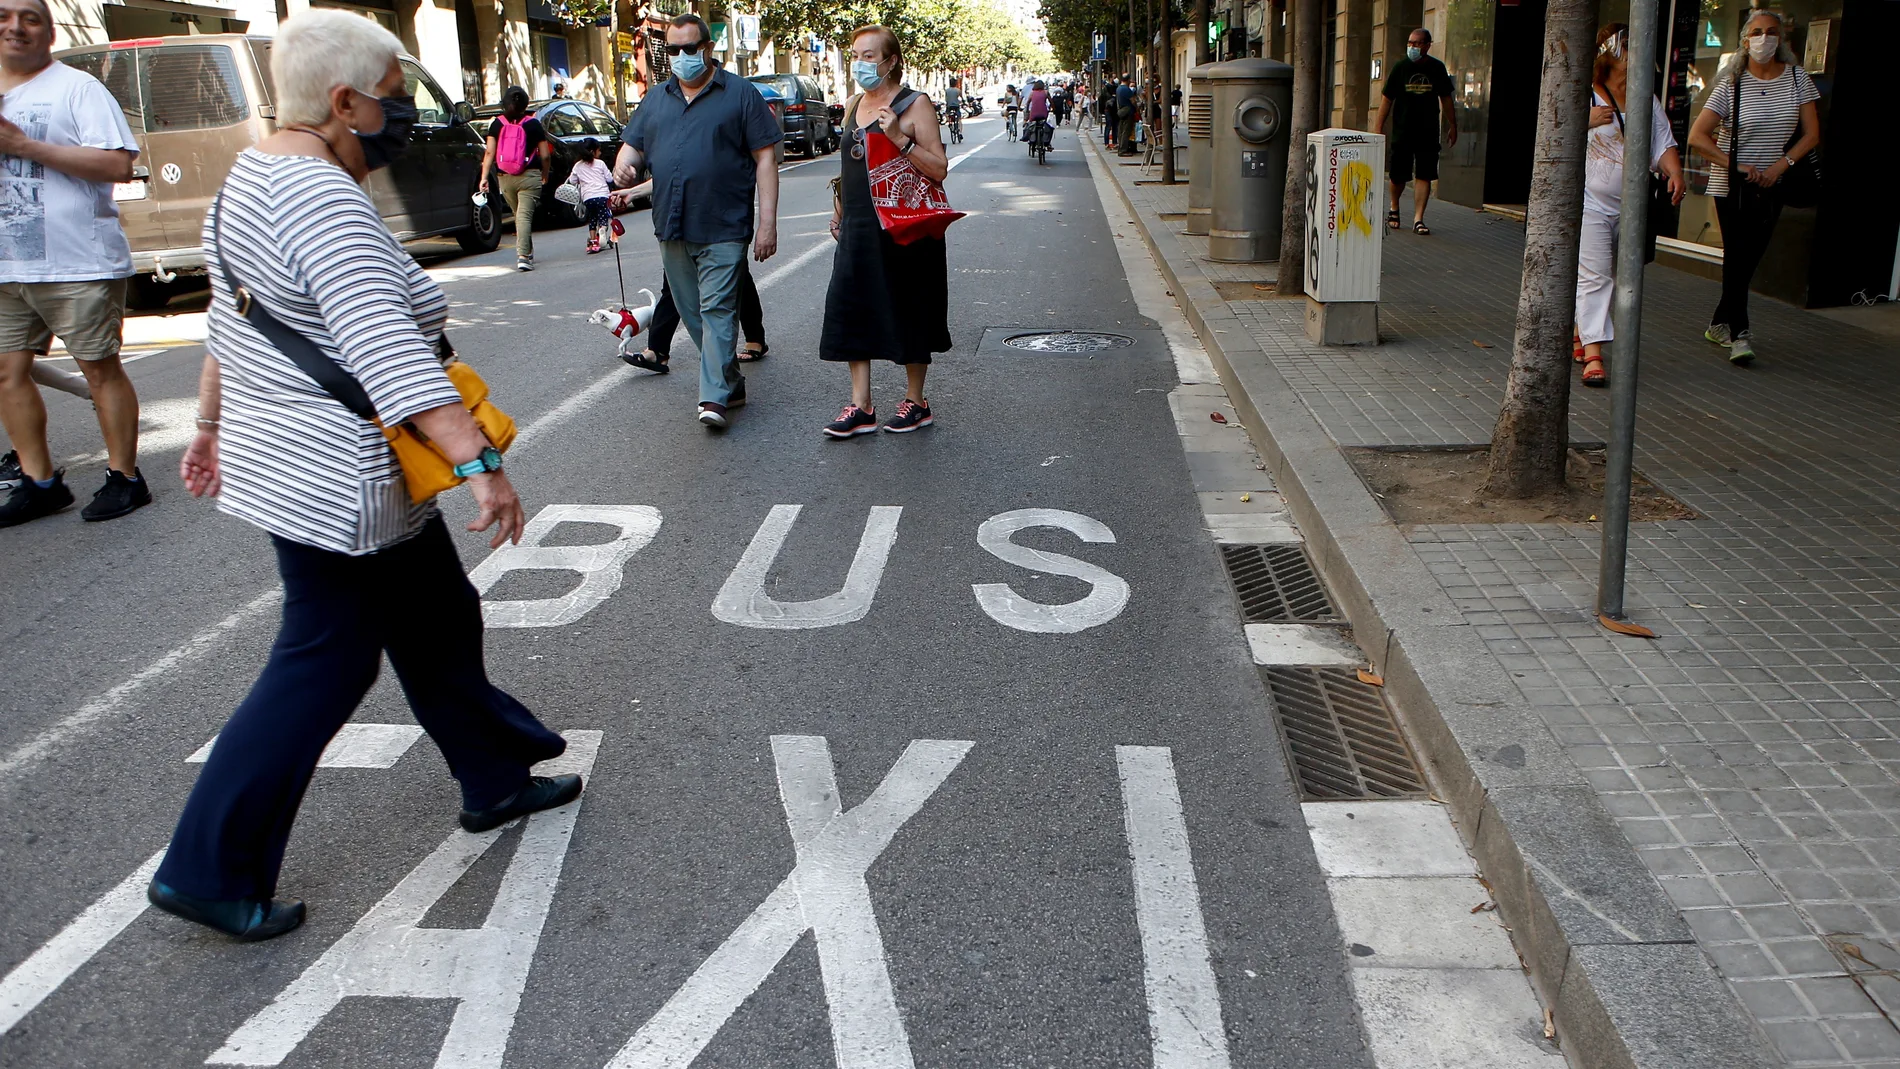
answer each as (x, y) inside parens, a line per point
(1610, 954)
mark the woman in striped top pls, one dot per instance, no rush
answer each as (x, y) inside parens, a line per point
(1776, 99)
(365, 572)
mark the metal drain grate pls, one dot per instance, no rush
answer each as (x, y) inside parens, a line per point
(1340, 738)
(1068, 341)
(1276, 584)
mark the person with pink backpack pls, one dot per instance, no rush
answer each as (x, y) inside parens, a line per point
(519, 149)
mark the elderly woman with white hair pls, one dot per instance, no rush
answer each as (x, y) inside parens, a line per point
(365, 571)
(1759, 121)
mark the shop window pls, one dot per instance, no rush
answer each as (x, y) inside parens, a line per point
(385, 19)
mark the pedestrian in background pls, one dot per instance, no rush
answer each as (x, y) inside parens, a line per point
(64, 261)
(366, 572)
(696, 132)
(1126, 115)
(520, 148)
(1416, 93)
(666, 322)
(594, 182)
(887, 301)
(1777, 123)
(1603, 190)
(1105, 110)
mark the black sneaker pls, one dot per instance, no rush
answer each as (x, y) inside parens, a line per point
(28, 502)
(118, 497)
(10, 473)
(851, 422)
(910, 416)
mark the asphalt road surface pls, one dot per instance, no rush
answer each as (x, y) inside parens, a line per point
(871, 782)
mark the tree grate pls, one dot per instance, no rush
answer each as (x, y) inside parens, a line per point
(1340, 738)
(1277, 584)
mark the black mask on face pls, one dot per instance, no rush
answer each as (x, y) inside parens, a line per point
(380, 149)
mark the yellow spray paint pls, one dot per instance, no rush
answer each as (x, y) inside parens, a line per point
(1358, 189)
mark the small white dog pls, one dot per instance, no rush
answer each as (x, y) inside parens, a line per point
(626, 323)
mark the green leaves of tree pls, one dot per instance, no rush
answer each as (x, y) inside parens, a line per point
(936, 34)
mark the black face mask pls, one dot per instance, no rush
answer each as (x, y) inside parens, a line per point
(380, 149)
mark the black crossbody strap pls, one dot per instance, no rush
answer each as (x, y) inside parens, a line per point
(306, 354)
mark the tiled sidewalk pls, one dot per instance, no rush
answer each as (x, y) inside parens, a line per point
(1752, 754)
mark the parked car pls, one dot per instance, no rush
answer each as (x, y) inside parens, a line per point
(567, 123)
(808, 125)
(195, 102)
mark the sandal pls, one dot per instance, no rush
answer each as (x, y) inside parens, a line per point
(749, 355)
(1576, 349)
(1594, 375)
(1392, 218)
(648, 360)
(1419, 227)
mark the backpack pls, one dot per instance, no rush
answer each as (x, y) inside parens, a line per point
(511, 148)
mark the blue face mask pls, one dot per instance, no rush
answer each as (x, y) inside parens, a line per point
(1413, 52)
(866, 74)
(689, 66)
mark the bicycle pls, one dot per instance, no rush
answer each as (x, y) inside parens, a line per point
(956, 127)
(1038, 133)
(1009, 122)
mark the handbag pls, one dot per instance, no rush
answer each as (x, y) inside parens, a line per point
(426, 470)
(1659, 199)
(909, 205)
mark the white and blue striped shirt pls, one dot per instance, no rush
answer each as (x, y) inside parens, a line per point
(306, 241)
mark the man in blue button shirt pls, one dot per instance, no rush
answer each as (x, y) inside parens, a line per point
(695, 133)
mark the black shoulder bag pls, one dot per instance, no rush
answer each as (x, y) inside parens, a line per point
(1660, 201)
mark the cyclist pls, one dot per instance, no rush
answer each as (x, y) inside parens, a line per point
(1012, 103)
(953, 108)
(1036, 116)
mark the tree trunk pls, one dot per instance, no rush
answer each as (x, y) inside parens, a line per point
(1167, 92)
(1198, 54)
(1307, 47)
(1529, 443)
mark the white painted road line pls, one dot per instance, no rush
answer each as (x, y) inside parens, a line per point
(61, 956)
(1108, 592)
(355, 746)
(389, 954)
(601, 565)
(743, 600)
(1302, 644)
(119, 699)
(966, 155)
(1184, 1015)
(824, 894)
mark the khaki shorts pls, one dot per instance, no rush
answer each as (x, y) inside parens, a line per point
(87, 316)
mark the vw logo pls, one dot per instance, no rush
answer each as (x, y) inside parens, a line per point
(171, 174)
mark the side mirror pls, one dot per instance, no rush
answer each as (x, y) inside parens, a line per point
(463, 112)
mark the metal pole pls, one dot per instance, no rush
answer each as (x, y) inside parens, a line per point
(1167, 92)
(1627, 316)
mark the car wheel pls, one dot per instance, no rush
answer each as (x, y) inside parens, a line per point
(483, 233)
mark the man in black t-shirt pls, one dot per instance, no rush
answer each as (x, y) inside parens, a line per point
(1416, 94)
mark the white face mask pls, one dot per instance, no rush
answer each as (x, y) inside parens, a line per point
(1762, 49)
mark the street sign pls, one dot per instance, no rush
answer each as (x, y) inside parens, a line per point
(1100, 54)
(748, 33)
(817, 45)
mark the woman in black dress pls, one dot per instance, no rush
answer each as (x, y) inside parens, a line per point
(887, 301)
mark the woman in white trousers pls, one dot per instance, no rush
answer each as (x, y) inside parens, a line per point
(1603, 192)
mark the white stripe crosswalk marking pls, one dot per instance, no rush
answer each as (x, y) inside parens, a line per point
(355, 746)
(41, 974)
(390, 954)
(1184, 1015)
(826, 895)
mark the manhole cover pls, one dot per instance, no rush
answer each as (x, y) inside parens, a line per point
(1067, 341)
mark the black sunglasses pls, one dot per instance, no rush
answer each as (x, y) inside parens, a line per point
(674, 50)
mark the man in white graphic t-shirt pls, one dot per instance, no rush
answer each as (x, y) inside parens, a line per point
(64, 262)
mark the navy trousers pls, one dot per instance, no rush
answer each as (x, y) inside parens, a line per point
(341, 614)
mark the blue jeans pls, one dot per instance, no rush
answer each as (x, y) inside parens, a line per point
(705, 282)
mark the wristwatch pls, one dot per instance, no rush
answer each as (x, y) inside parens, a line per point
(488, 460)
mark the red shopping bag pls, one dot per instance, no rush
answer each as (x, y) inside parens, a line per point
(909, 206)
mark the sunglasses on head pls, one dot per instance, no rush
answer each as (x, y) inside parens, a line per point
(674, 50)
